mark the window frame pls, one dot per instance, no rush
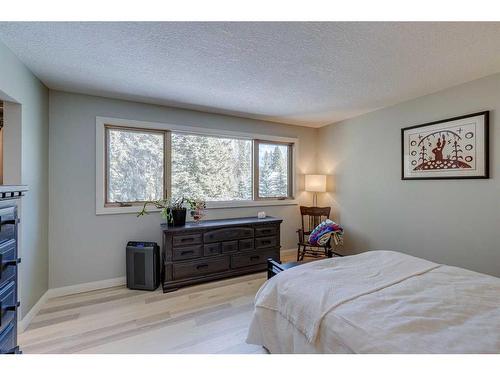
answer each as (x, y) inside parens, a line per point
(256, 171)
(166, 162)
(115, 208)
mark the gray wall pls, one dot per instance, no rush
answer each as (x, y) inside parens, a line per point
(85, 247)
(449, 221)
(19, 85)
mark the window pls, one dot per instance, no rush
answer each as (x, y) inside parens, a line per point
(135, 165)
(211, 168)
(273, 170)
(136, 162)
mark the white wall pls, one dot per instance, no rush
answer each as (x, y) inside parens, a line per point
(26, 162)
(85, 247)
(12, 148)
(449, 221)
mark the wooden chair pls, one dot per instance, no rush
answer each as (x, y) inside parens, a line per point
(311, 217)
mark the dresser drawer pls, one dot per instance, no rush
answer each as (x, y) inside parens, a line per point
(211, 249)
(253, 258)
(186, 239)
(266, 230)
(8, 339)
(187, 252)
(200, 267)
(8, 223)
(263, 242)
(229, 247)
(8, 304)
(8, 261)
(246, 244)
(227, 234)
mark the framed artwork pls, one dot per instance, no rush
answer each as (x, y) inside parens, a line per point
(448, 149)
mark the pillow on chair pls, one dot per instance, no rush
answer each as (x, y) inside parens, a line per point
(322, 233)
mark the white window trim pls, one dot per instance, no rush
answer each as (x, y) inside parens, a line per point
(101, 209)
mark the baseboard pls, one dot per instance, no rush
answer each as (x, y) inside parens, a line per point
(25, 322)
(86, 287)
(81, 288)
(109, 283)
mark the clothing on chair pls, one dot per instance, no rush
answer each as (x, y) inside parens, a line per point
(322, 233)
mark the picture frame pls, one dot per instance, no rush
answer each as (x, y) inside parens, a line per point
(453, 148)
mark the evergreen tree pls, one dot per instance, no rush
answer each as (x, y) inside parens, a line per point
(273, 173)
(243, 171)
(279, 180)
(210, 168)
(135, 169)
(265, 175)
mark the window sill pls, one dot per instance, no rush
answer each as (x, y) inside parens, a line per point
(210, 206)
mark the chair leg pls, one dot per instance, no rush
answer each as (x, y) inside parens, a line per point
(298, 253)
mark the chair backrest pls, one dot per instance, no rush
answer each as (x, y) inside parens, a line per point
(312, 216)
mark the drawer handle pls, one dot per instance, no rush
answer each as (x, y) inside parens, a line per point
(7, 222)
(266, 242)
(10, 307)
(7, 308)
(8, 263)
(254, 257)
(13, 307)
(186, 252)
(201, 266)
(189, 239)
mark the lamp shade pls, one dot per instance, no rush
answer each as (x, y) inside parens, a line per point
(316, 183)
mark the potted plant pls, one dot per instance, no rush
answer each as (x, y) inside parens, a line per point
(173, 211)
(197, 207)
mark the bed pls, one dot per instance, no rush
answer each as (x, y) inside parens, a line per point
(377, 302)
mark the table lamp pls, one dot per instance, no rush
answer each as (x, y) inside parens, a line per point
(315, 183)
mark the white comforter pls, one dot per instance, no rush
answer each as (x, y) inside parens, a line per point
(382, 302)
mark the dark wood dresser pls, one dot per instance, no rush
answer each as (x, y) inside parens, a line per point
(8, 268)
(215, 249)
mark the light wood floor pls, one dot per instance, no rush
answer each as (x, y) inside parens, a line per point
(205, 318)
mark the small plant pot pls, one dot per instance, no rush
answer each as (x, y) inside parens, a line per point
(178, 217)
(197, 215)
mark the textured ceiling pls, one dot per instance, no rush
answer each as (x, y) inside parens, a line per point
(307, 74)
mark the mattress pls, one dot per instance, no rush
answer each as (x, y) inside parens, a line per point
(377, 302)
